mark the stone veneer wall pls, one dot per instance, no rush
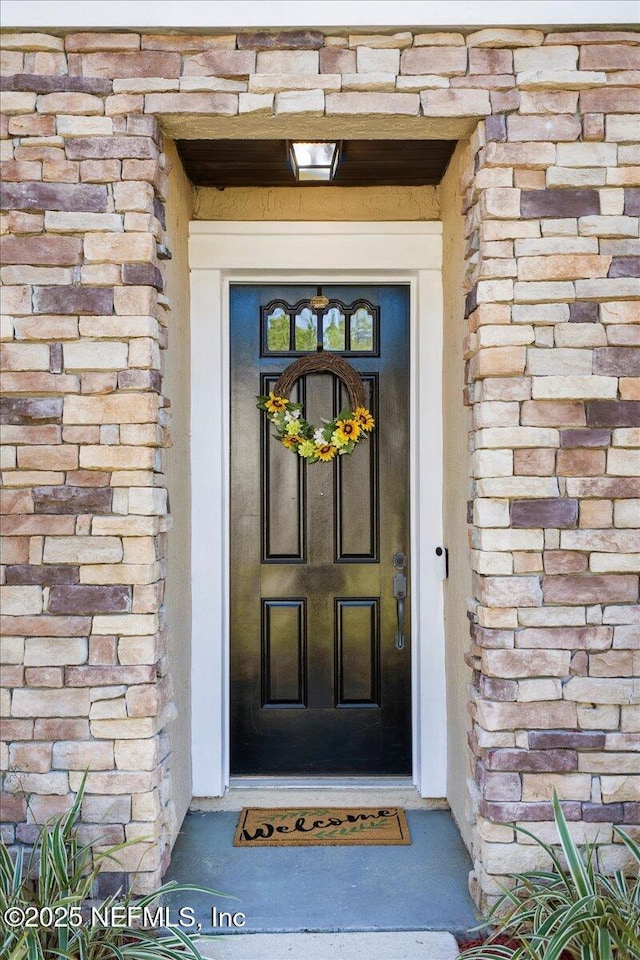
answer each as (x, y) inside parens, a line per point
(552, 212)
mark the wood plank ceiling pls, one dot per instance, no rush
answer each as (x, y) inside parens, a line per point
(363, 163)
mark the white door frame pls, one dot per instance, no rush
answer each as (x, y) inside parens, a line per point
(221, 253)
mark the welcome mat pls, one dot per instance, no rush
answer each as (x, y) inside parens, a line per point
(318, 826)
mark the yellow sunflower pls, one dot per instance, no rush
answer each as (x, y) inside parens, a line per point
(364, 419)
(348, 429)
(326, 452)
(275, 404)
(290, 442)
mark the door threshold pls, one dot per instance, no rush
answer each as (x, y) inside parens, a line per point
(314, 791)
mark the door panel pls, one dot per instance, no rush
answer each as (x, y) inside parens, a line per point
(317, 683)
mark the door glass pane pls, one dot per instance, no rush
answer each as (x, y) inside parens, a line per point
(278, 333)
(333, 336)
(362, 330)
(306, 330)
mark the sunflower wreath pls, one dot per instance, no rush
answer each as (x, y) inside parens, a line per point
(335, 437)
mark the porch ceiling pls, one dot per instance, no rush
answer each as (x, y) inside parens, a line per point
(363, 163)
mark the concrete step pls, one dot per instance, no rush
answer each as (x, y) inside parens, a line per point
(412, 945)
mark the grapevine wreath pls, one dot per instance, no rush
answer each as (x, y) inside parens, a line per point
(339, 436)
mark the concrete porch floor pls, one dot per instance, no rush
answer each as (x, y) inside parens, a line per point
(421, 887)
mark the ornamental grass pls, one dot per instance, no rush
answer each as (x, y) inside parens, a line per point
(569, 912)
(57, 883)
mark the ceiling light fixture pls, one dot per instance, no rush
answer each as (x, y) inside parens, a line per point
(314, 161)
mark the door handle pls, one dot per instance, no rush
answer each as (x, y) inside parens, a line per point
(400, 594)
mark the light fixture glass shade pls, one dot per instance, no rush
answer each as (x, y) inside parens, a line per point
(314, 161)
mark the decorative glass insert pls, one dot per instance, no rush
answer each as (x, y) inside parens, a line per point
(278, 331)
(362, 330)
(306, 331)
(293, 329)
(333, 332)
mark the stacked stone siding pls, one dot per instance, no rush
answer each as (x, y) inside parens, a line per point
(552, 205)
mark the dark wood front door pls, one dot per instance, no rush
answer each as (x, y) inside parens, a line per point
(319, 683)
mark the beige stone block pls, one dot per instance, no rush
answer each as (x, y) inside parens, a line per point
(545, 58)
(129, 624)
(20, 601)
(614, 562)
(373, 103)
(15, 102)
(503, 37)
(575, 177)
(71, 126)
(380, 41)
(511, 540)
(492, 512)
(309, 102)
(619, 789)
(116, 458)
(514, 664)
(496, 413)
(626, 513)
(82, 549)
(138, 650)
(414, 84)
(538, 690)
(626, 437)
(79, 104)
(492, 463)
(499, 362)
(145, 85)
(116, 408)
(88, 355)
(120, 573)
(510, 591)
(580, 335)
(136, 754)
(517, 487)
(563, 267)
(545, 715)
(42, 784)
(55, 651)
(568, 786)
(586, 155)
(23, 356)
(11, 649)
(516, 437)
(369, 81)
(125, 327)
(438, 40)
(622, 127)
(501, 202)
(50, 703)
(377, 60)
(608, 226)
(122, 248)
(287, 61)
(130, 729)
(455, 103)
(598, 717)
(256, 103)
(70, 755)
(574, 387)
(623, 463)
(491, 564)
(278, 83)
(559, 362)
(560, 80)
(601, 690)
(207, 85)
(125, 526)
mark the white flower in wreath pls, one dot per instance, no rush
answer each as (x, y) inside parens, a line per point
(291, 415)
(319, 437)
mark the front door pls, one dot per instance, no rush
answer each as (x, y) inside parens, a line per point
(320, 668)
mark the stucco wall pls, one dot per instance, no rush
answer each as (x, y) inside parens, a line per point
(177, 466)
(457, 588)
(316, 203)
